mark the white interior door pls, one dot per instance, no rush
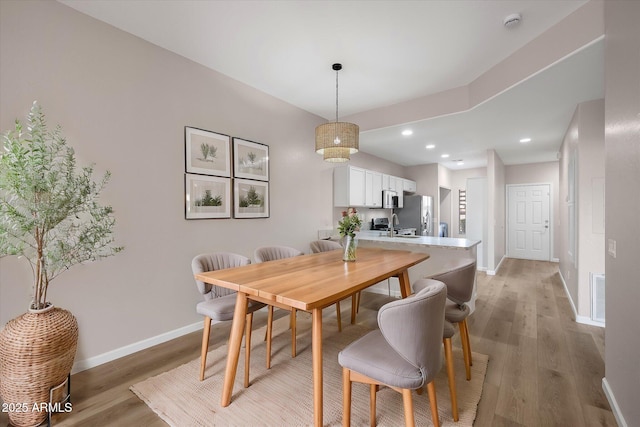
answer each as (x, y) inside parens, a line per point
(528, 224)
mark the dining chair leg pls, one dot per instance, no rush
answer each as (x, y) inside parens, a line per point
(354, 301)
(338, 316)
(466, 348)
(247, 348)
(294, 314)
(407, 400)
(448, 355)
(205, 346)
(373, 388)
(268, 335)
(431, 388)
(346, 397)
(466, 334)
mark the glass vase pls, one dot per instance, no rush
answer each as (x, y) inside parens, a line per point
(349, 244)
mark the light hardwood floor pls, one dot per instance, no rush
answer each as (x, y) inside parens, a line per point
(544, 369)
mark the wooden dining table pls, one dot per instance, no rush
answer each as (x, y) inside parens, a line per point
(310, 283)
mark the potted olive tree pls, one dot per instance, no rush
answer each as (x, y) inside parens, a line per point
(50, 216)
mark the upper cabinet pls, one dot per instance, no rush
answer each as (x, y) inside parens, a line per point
(358, 187)
(353, 186)
(409, 186)
(349, 186)
(373, 189)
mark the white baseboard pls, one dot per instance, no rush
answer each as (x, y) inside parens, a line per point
(374, 290)
(494, 272)
(82, 365)
(554, 260)
(613, 403)
(579, 319)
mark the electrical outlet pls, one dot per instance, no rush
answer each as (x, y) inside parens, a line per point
(612, 248)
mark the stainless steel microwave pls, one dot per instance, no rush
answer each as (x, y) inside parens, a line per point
(389, 199)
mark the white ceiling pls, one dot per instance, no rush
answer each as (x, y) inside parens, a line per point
(392, 52)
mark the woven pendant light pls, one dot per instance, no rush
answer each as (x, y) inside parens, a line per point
(336, 141)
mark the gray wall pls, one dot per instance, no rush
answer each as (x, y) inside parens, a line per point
(495, 211)
(459, 182)
(585, 140)
(123, 104)
(622, 143)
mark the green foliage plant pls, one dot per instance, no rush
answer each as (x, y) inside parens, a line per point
(208, 151)
(209, 200)
(49, 212)
(253, 197)
(350, 223)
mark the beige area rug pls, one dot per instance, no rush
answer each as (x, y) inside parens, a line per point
(283, 395)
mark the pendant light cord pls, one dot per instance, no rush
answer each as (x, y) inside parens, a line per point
(336, 96)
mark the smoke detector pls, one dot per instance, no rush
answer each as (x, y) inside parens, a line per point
(512, 20)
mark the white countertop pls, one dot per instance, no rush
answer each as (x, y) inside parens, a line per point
(440, 242)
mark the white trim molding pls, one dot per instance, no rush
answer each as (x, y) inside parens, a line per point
(92, 362)
(613, 403)
(579, 319)
(494, 272)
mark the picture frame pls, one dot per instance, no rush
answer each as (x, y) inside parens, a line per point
(207, 153)
(250, 160)
(251, 198)
(207, 197)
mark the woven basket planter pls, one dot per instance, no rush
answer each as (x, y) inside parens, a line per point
(36, 353)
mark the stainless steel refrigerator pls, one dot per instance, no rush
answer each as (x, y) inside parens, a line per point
(417, 212)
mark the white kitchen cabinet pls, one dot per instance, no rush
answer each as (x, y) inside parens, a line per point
(349, 184)
(398, 186)
(353, 186)
(409, 186)
(386, 185)
(373, 189)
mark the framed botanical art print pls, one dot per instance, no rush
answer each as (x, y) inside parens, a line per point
(250, 160)
(207, 197)
(207, 153)
(251, 199)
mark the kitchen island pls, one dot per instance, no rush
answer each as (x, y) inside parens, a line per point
(440, 249)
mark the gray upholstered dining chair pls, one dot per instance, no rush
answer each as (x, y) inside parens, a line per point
(404, 354)
(219, 303)
(448, 331)
(325, 246)
(272, 253)
(459, 276)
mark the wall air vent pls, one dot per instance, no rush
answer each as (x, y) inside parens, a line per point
(597, 297)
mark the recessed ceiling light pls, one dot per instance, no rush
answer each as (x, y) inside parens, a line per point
(444, 156)
(407, 132)
(525, 140)
(430, 146)
(460, 163)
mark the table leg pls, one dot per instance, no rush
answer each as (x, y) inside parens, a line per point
(235, 342)
(405, 283)
(316, 334)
